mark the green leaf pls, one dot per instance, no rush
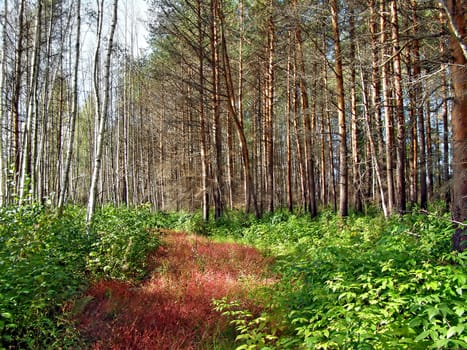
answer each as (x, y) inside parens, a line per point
(440, 343)
(432, 312)
(454, 330)
(422, 336)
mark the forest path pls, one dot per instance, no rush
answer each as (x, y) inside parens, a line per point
(172, 309)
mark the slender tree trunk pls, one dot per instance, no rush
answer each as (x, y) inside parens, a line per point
(444, 87)
(324, 182)
(327, 121)
(238, 123)
(230, 162)
(74, 111)
(17, 94)
(373, 153)
(357, 183)
(25, 170)
(298, 139)
(375, 107)
(203, 139)
(289, 129)
(400, 150)
(269, 132)
(102, 119)
(418, 103)
(3, 173)
(429, 151)
(456, 14)
(413, 130)
(309, 163)
(389, 147)
(343, 177)
(215, 67)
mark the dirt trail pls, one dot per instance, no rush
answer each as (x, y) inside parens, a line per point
(173, 308)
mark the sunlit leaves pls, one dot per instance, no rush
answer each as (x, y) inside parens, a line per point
(367, 283)
(45, 260)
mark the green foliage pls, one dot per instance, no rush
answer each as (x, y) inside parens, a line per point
(121, 241)
(358, 283)
(46, 260)
(254, 331)
(42, 260)
(231, 224)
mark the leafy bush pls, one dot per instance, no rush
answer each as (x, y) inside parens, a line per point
(359, 283)
(46, 260)
(42, 259)
(121, 241)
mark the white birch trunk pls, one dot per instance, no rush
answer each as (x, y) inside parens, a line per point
(2, 81)
(74, 112)
(102, 116)
(32, 102)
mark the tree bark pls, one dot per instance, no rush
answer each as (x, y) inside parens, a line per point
(102, 117)
(269, 124)
(237, 118)
(389, 146)
(74, 112)
(3, 173)
(355, 137)
(17, 95)
(457, 10)
(25, 171)
(400, 149)
(306, 112)
(290, 203)
(343, 177)
(215, 67)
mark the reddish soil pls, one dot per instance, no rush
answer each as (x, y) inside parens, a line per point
(173, 308)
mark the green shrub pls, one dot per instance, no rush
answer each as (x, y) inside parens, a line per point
(121, 240)
(359, 283)
(46, 260)
(42, 260)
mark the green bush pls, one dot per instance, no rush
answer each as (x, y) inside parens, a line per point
(42, 260)
(46, 260)
(359, 283)
(121, 241)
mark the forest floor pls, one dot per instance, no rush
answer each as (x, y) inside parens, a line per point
(172, 308)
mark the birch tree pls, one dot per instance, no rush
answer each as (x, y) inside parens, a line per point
(74, 112)
(101, 116)
(3, 174)
(343, 171)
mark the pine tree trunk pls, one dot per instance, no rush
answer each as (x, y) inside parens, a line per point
(236, 115)
(289, 128)
(356, 183)
(457, 10)
(269, 125)
(400, 149)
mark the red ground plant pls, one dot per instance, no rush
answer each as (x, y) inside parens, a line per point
(173, 308)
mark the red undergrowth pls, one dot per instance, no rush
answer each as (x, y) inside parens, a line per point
(173, 308)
